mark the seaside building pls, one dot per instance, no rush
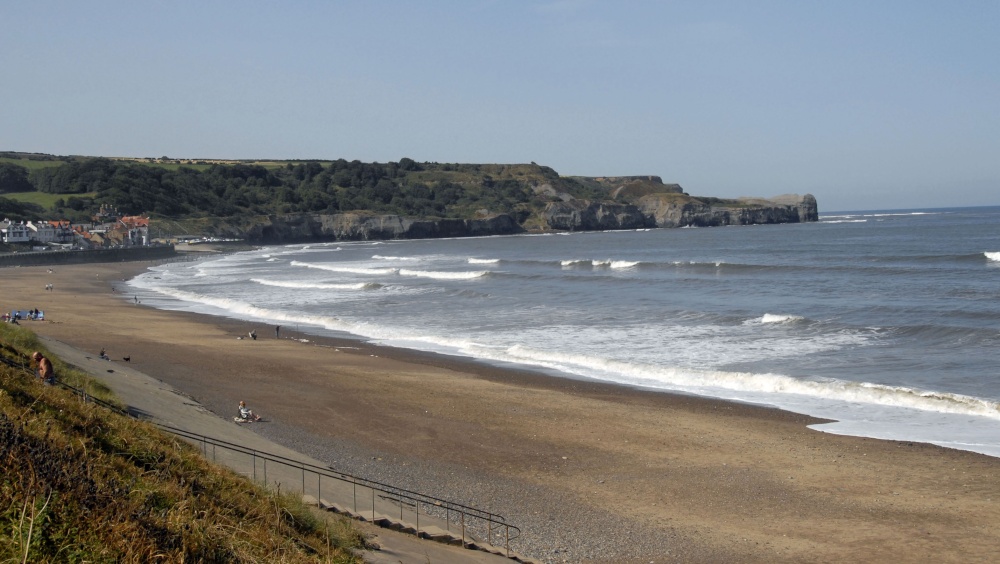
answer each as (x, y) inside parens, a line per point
(50, 232)
(122, 231)
(14, 232)
(134, 231)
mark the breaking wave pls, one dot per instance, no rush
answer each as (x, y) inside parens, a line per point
(316, 285)
(346, 269)
(443, 275)
(697, 381)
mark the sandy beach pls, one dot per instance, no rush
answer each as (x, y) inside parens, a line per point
(589, 472)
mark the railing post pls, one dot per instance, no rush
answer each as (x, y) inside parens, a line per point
(507, 541)
(265, 471)
(303, 478)
(253, 453)
(463, 529)
(355, 495)
(373, 503)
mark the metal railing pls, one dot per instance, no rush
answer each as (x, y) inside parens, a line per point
(364, 494)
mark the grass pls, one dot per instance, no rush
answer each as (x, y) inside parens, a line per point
(31, 164)
(79, 482)
(44, 199)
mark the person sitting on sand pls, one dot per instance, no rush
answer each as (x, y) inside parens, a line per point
(245, 412)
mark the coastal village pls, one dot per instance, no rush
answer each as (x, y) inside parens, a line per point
(108, 229)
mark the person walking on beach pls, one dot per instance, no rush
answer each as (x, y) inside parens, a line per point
(277, 330)
(45, 372)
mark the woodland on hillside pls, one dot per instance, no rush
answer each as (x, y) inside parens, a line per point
(80, 186)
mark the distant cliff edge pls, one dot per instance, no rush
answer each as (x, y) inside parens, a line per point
(633, 202)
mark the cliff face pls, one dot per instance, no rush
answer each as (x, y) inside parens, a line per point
(652, 210)
(664, 210)
(745, 211)
(362, 227)
(581, 215)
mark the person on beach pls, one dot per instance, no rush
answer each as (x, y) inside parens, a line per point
(253, 334)
(45, 372)
(277, 329)
(245, 412)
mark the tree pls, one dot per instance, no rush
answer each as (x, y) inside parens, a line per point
(14, 178)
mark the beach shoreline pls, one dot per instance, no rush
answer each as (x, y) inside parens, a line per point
(588, 470)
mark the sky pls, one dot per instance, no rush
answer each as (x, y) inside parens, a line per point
(872, 104)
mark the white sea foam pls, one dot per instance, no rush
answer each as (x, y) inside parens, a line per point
(573, 262)
(844, 221)
(697, 381)
(993, 256)
(314, 285)
(623, 263)
(443, 275)
(483, 261)
(346, 269)
(243, 310)
(380, 257)
(772, 318)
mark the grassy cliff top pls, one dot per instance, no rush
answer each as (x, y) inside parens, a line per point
(79, 482)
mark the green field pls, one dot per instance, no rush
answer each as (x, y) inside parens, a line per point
(44, 199)
(32, 164)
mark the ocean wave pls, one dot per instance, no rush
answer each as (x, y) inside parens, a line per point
(346, 269)
(443, 275)
(995, 256)
(380, 257)
(843, 221)
(772, 318)
(316, 285)
(697, 381)
(483, 261)
(597, 263)
(243, 310)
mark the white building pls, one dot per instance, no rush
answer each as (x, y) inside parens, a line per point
(11, 232)
(49, 232)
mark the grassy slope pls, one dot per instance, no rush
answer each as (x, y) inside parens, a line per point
(79, 482)
(44, 199)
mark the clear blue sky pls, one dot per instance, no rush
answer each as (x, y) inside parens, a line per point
(868, 104)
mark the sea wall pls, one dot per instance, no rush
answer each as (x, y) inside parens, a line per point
(77, 257)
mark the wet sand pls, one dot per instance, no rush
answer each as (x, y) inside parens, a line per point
(588, 471)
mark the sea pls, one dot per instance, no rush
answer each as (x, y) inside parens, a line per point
(885, 322)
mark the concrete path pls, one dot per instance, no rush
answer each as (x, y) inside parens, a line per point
(153, 400)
